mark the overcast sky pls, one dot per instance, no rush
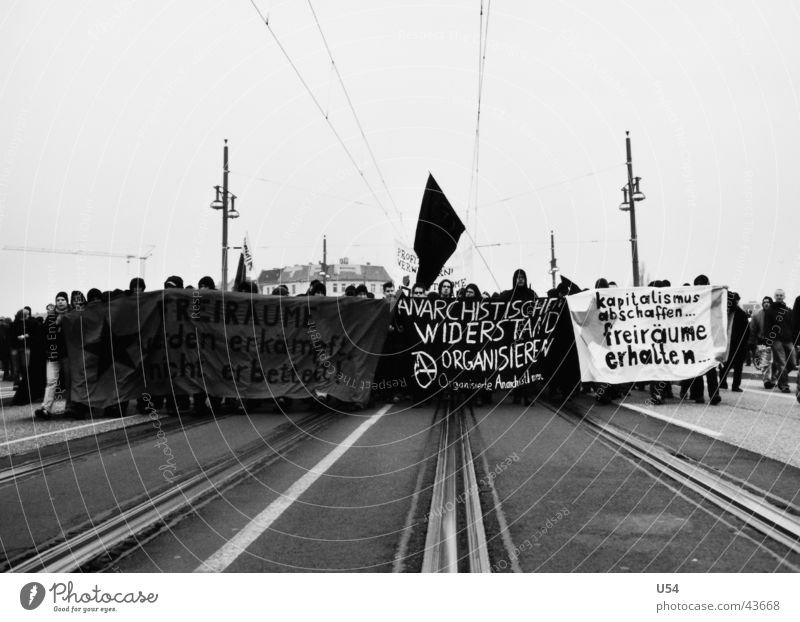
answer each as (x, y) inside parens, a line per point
(114, 115)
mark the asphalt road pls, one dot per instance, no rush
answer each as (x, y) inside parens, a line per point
(355, 496)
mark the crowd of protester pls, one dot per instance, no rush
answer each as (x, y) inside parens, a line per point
(33, 354)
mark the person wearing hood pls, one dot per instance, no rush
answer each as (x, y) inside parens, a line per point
(77, 301)
(519, 288)
(520, 291)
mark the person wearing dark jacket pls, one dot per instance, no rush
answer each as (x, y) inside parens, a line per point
(30, 387)
(737, 344)
(519, 288)
(779, 326)
(56, 353)
(20, 343)
(695, 386)
(520, 291)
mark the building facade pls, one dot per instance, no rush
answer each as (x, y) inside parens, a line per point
(298, 278)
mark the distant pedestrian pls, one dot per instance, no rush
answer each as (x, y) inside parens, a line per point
(762, 351)
(779, 325)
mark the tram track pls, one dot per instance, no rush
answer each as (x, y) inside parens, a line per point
(774, 518)
(455, 502)
(37, 461)
(96, 546)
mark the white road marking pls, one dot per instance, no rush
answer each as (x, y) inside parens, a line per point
(672, 420)
(69, 429)
(790, 395)
(233, 548)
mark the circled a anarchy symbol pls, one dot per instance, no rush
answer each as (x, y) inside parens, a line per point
(425, 369)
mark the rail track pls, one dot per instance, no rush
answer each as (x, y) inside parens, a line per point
(455, 501)
(778, 520)
(97, 546)
(50, 456)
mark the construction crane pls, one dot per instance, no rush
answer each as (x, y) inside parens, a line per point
(57, 251)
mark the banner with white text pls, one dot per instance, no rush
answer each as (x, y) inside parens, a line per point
(649, 333)
(478, 344)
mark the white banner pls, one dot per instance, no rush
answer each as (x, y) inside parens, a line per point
(649, 333)
(458, 268)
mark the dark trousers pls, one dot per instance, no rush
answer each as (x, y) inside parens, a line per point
(659, 389)
(736, 366)
(696, 385)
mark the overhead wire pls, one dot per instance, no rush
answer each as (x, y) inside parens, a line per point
(299, 189)
(474, 181)
(474, 174)
(322, 112)
(353, 110)
(553, 185)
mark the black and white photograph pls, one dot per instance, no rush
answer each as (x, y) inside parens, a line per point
(299, 289)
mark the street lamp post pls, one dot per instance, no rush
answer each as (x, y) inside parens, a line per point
(631, 194)
(221, 203)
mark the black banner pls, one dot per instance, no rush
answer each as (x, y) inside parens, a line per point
(479, 344)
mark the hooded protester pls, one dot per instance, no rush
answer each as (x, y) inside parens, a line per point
(206, 283)
(94, 295)
(350, 290)
(175, 402)
(136, 286)
(77, 301)
(248, 287)
(472, 292)
(318, 288)
(519, 288)
(281, 290)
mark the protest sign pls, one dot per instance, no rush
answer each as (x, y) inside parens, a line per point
(226, 345)
(477, 344)
(406, 263)
(646, 333)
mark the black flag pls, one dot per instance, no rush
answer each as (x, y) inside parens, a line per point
(438, 231)
(568, 287)
(241, 274)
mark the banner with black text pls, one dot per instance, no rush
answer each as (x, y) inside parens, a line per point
(649, 333)
(226, 345)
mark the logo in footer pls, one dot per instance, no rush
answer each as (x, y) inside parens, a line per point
(31, 595)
